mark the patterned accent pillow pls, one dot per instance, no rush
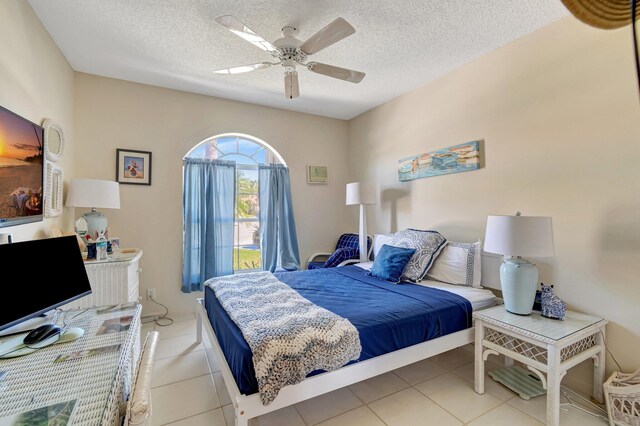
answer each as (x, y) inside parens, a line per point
(428, 245)
(458, 263)
(340, 256)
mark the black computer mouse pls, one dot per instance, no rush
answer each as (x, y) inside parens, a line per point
(41, 333)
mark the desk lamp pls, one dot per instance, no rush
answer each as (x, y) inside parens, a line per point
(94, 193)
(513, 237)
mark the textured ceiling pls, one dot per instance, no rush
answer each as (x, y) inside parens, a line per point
(400, 44)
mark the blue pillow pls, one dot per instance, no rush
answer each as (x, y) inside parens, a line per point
(390, 262)
(340, 256)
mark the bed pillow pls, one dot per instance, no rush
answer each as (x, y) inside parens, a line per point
(458, 263)
(427, 244)
(379, 240)
(390, 262)
(340, 255)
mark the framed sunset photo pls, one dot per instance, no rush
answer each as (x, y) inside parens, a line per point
(133, 167)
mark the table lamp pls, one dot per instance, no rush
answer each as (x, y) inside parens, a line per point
(513, 237)
(361, 193)
(94, 193)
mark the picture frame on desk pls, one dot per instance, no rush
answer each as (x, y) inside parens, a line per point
(115, 243)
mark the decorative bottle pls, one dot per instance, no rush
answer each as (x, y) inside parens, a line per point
(101, 247)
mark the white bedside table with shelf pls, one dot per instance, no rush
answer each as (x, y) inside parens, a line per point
(113, 281)
(544, 346)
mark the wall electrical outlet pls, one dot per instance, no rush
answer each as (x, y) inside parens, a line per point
(151, 293)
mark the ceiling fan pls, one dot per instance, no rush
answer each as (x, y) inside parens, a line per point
(290, 52)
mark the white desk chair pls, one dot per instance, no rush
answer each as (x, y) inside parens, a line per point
(139, 405)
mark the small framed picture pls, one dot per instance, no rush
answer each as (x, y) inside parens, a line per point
(115, 243)
(133, 167)
(317, 174)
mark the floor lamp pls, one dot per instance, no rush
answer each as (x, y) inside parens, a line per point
(361, 193)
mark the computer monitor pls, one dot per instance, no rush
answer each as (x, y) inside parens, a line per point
(38, 276)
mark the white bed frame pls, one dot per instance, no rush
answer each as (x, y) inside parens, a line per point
(249, 406)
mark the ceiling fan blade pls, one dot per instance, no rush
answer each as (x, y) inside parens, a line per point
(241, 30)
(332, 33)
(291, 88)
(244, 68)
(336, 72)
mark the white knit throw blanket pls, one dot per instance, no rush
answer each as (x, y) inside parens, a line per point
(289, 336)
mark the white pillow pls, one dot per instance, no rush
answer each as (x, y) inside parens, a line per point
(458, 263)
(379, 240)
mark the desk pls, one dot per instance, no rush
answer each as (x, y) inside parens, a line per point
(543, 345)
(99, 384)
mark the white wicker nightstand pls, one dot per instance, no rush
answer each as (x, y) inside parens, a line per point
(544, 346)
(113, 281)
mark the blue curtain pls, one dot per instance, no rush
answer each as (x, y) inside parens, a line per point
(278, 238)
(208, 212)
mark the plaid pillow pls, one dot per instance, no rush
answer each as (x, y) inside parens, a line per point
(340, 256)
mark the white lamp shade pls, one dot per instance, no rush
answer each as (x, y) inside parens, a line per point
(360, 193)
(519, 236)
(93, 193)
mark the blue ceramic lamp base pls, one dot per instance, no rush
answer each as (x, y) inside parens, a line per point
(519, 281)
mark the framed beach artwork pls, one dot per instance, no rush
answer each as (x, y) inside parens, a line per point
(453, 159)
(317, 174)
(133, 167)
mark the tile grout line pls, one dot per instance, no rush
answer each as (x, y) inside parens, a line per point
(524, 412)
(401, 379)
(366, 404)
(184, 380)
(382, 397)
(448, 412)
(300, 415)
(487, 412)
(180, 354)
(332, 417)
(194, 415)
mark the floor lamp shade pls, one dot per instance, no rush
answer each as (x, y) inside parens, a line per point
(361, 193)
(93, 194)
(517, 236)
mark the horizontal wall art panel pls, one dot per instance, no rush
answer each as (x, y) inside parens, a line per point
(454, 159)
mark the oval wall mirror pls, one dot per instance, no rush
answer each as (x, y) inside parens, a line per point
(53, 140)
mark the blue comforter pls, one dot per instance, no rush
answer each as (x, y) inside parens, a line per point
(388, 316)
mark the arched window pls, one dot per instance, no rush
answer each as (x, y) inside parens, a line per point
(248, 153)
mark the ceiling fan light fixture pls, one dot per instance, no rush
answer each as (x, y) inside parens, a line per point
(291, 87)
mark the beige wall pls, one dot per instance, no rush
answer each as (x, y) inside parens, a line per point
(559, 113)
(114, 114)
(36, 82)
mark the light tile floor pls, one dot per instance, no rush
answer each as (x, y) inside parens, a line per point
(188, 389)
